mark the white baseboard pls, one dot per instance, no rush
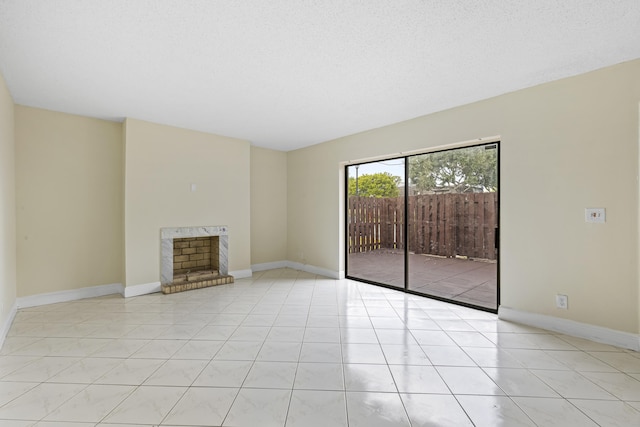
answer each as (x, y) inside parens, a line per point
(573, 328)
(269, 266)
(7, 324)
(143, 289)
(298, 266)
(69, 295)
(313, 269)
(241, 274)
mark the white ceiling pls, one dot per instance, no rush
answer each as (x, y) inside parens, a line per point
(286, 74)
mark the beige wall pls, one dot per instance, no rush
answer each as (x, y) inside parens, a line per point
(566, 145)
(161, 164)
(69, 201)
(268, 205)
(7, 204)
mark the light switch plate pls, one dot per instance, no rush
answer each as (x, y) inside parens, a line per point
(562, 301)
(596, 215)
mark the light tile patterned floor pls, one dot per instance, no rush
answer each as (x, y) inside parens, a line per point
(287, 348)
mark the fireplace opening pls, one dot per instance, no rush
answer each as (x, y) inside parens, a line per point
(195, 258)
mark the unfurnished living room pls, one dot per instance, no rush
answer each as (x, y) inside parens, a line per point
(319, 213)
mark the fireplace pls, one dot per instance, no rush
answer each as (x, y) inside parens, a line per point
(193, 258)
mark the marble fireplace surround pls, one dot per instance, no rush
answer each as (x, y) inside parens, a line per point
(167, 234)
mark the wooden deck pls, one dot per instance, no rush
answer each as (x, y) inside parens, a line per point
(469, 281)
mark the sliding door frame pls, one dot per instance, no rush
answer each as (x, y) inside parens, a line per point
(405, 226)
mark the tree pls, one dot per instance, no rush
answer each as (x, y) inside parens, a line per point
(381, 184)
(457, 171)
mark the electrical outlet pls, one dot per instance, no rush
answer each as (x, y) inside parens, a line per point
(562, 301)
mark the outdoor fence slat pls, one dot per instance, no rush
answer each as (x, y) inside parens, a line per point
(411, 216)
(365, 240)
(351, 219)
(360, 221)
(432, 226)
(400, 219)
(389, 225)
(441, 224)
(487, 243)
(449, 217)
(351, 224)
(490, 224)
(435, 237)
(421, 224)
(482, 228)
(460, 212)
(375, 224)
(473, 232)
(410, 224)
(446, 215)
(383, 222)
(369, 241)
(355, 220)
(356, 228)
(424, 225)
(391, 220)
(459, 226)
(373, 205)
(486, 247)
(418, 245)
(365, 225)
(473, 227)
(464, 224)
(468, 224)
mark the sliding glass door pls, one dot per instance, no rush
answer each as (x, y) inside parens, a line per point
(375, 222)
(437, 233)
(452, 225)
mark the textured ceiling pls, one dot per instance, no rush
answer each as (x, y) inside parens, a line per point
(286, 74)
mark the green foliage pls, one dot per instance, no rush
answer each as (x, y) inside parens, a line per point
(457, 171)
(381, 184)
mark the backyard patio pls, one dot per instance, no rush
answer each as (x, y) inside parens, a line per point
(464, 280)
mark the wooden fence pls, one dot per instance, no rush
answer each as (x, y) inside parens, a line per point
(439, 224)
